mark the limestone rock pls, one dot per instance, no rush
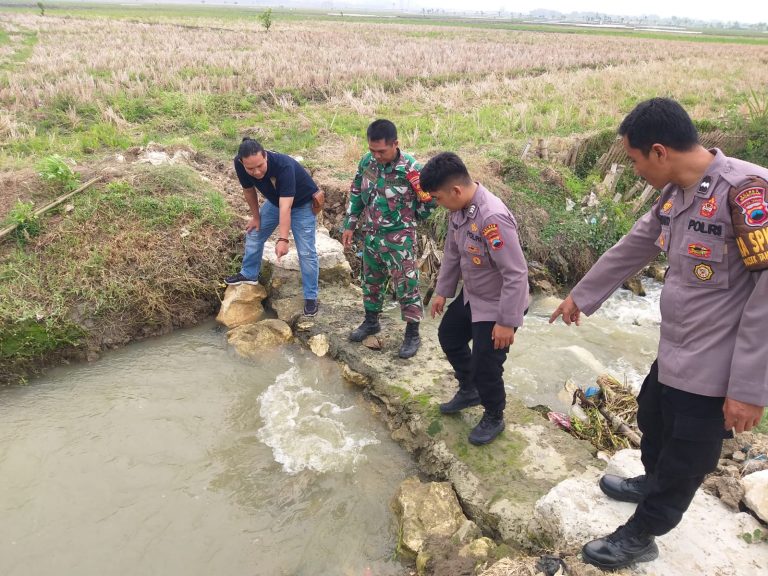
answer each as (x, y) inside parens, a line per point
(253, 339)
(373, 342)
(319, 344)
(305, 325)
(635, 286)
(479, 550)
(242, 305)
(756, 495)
(334, 267)
(426, 511)
(289, 310)
(657, 271)
(729, 489)
(354, 377)
(706, 541)
(539, 279)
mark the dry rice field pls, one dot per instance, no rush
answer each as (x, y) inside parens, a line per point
(447, 86)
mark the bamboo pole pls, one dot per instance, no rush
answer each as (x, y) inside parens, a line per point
(39, 212)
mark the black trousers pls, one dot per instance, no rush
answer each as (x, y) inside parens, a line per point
(682, 439)
(482, 367)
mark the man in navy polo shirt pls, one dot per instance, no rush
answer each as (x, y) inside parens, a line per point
(289, 191)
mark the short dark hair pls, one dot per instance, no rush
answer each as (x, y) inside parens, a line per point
(382, 130)
(659, 121)
(445, 168)
(249, 147)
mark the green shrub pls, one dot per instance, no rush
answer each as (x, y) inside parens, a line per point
(27, 223)
(55, 170)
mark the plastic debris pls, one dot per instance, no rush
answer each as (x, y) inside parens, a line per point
(592, 391)
(562, 420)
(578, 412)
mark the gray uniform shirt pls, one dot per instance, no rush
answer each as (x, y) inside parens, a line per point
(483, 248)
(713, 310)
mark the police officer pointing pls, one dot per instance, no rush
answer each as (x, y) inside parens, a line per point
(711, 373)
(482, 248)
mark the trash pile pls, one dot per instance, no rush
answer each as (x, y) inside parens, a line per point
(605, 414)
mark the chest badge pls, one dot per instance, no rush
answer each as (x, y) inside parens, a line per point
(703, 272)
(473, 227)
(699, 251)
(709, 208)
(667, 206)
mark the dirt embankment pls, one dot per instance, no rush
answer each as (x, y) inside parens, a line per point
(144, 250)
(138, 254)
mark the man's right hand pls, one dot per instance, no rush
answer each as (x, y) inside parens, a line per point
(346, 238)
(438, 305)
(569, 311)
(253, 224)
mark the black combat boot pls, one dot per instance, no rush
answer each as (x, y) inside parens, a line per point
(463, 399)
(490, 426)
(369, 327)
(625, 489)
(411, 341)
(627, 545)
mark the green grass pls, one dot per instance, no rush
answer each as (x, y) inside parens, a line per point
(22, 52)
(130, 255)
(763, 426)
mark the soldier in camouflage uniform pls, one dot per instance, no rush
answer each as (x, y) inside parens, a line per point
(388, 201)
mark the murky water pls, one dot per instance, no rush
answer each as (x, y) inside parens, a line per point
(175, 457)
(620, 339)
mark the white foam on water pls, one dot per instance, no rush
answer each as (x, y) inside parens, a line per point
(629, 309)
(306, 430)
(627, 374)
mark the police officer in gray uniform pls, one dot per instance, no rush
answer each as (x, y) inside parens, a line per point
(711, 373)
(483, 249)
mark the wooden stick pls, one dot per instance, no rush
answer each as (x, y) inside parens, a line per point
(619, 425)
(53, 204)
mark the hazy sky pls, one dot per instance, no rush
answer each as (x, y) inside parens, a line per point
(742, 10)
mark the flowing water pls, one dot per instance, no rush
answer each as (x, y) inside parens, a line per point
(621, 339)
(175, 457)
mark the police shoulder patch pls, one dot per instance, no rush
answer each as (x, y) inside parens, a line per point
(493, 236)
(749, 215)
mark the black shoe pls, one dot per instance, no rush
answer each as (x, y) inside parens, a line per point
(627, 545)
(625, 489)
(369, 327)
(237, 279)
(490, 426)
(311, 308)
(463, 399)
(411, 341)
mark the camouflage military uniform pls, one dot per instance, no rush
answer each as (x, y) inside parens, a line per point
(388, 202)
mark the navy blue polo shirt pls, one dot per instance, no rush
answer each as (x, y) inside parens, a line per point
(285, 178)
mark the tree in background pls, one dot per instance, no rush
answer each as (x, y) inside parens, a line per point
(266, 19)
(41, 6)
